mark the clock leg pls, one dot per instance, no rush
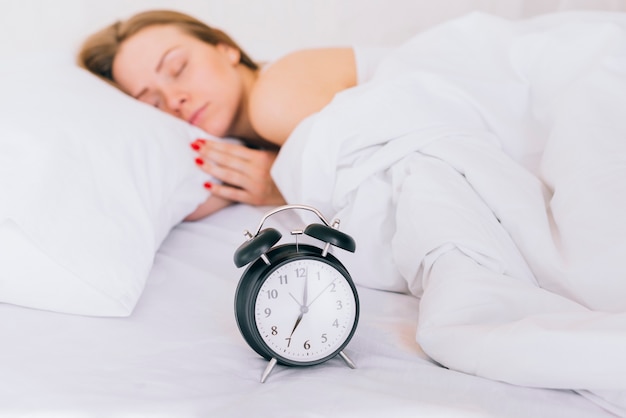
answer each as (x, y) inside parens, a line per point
(345, 358)
(268, 369)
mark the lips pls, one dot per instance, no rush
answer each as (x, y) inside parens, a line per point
(195, 117)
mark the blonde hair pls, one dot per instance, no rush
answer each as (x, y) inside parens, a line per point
(99, 50)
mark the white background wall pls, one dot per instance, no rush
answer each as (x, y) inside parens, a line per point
(265, 28)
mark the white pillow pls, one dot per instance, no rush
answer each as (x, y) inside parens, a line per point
(91, 182)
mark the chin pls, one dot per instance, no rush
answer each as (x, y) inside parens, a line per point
(217, 131)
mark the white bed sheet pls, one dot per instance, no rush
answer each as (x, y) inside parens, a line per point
(181, 355)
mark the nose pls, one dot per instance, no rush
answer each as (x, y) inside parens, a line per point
(174, 101)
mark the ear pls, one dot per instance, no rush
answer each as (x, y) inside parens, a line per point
(232, 54)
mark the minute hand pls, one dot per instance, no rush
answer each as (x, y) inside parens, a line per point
(303, 308)
(320, 293)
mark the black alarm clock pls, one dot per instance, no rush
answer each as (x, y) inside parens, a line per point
(296, 304)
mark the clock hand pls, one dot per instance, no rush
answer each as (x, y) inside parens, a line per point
(304, 295)
(297, 323)
(296, 300)
(303, 308)
(306, 282)
(320, 293)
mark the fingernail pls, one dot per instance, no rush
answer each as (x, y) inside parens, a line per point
(197, 144)
(199, 161)
(208, 185)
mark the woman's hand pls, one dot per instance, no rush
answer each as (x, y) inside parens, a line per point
(210, 206)
(244, 172)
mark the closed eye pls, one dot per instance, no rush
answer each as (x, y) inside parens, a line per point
(181, 69)
(149, 98)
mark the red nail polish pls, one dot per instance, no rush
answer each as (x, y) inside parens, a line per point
(195, 146)
(200, 141)
(199, 161)
(208, 185)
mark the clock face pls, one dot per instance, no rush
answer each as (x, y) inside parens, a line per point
(305, 310)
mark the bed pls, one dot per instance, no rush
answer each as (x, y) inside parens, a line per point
(161, 339)
(180, 354)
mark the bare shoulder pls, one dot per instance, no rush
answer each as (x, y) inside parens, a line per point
(296, 86)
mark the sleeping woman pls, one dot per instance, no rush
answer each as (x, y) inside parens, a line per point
(199, 74)
(481, 169)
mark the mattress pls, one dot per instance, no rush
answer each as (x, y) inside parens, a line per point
(180, 354)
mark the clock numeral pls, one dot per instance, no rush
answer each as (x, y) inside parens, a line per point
(283, 279)
(332, 289)
(268, 312)
(288, 341)
(272, 294)
(307, 345)
(301, 272)
(339, 305)
(274, 330)
(324, 338)
(336, 324)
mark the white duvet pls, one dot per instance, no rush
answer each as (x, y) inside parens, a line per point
(483, 169)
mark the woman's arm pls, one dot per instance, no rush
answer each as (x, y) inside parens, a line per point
(297, 86)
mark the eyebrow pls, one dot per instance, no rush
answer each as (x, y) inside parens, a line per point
(157, 69)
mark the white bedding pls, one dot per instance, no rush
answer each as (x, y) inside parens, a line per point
(180, 355)
(491, 155)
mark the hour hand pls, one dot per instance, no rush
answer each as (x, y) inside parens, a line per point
(297, 323)
(303, 308)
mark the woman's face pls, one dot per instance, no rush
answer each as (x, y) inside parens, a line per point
(181, 75)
